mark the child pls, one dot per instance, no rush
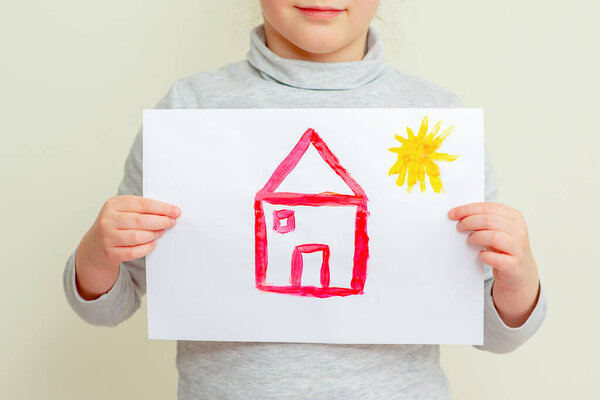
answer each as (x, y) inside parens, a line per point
(303, 55)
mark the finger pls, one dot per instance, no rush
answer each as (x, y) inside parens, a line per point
(463, 211)
(488, 221)
(127, 253)
(134, 237)
(500, 241)
(497, 260)
(147, 222)
(145, 205)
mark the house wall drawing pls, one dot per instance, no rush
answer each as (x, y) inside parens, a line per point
(281, 210)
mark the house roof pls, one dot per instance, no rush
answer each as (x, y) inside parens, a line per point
(291, 161)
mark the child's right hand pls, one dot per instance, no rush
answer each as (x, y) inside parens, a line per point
(126, 228)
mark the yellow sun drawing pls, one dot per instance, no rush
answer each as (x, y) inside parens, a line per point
(416, 157)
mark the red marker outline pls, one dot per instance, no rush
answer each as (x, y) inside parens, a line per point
(278, 216)
(361, 240)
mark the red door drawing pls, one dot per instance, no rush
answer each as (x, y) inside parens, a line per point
(298, 263)
(269, 195)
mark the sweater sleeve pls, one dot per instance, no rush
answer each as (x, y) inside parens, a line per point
(123, 299)
(499, 337)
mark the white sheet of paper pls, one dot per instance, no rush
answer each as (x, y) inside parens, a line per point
(424, 283)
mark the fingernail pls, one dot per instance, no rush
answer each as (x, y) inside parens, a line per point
(452, 213)
(177, 212)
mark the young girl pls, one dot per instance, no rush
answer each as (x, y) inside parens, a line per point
(307, 53)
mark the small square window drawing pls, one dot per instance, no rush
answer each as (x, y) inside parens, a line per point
(268, 194)
(284, 221)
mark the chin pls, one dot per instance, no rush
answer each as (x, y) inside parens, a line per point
(319, 40)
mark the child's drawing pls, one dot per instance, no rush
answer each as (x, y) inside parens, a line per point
(416, 157)
(272, 245)
(285, 221)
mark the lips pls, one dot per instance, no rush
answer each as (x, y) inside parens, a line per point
(320, 12)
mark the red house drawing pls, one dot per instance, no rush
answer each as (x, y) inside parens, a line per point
(269, 195)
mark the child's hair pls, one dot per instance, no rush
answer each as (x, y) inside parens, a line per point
(387, 21)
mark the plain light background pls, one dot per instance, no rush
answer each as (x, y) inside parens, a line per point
(75, 76)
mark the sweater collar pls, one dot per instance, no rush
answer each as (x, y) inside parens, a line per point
(317, 75)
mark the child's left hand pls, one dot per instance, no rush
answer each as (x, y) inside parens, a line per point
(502, 231)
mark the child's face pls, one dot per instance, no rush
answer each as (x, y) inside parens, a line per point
(319, 33)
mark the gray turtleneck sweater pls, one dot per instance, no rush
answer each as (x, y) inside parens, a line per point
(284, 370)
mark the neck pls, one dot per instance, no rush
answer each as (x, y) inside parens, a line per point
(353, 51)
